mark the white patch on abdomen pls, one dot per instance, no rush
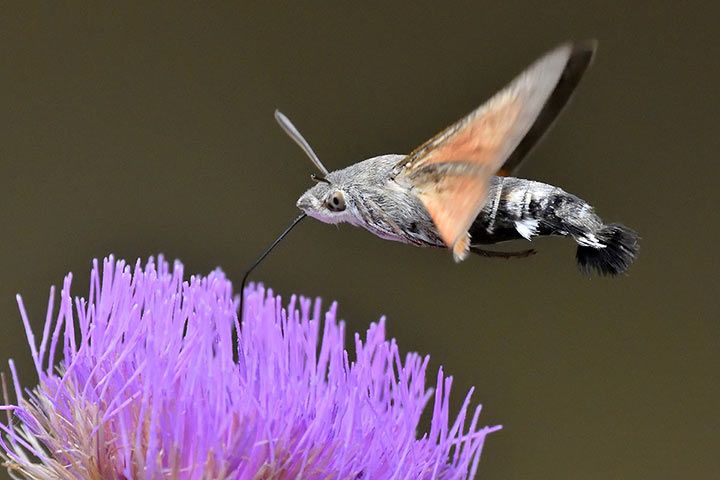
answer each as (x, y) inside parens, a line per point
(527, 228)
(589, 240)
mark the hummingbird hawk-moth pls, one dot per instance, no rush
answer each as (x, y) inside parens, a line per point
(456, 190)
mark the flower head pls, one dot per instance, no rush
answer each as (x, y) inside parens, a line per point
(157, 378)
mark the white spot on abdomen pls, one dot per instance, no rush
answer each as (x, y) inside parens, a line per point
(526, 228)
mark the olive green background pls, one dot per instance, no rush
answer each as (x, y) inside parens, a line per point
(145, 129)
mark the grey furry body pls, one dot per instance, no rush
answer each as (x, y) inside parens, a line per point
(384, 203)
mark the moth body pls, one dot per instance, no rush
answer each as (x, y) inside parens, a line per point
(375, 199)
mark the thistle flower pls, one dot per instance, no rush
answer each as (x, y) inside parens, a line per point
(159, 379)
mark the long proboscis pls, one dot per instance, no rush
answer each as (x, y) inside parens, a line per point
(262, 257)
(294, 133)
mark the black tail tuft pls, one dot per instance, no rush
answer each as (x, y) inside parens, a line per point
(621, 247)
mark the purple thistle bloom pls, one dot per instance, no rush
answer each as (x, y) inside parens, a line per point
(150, 386)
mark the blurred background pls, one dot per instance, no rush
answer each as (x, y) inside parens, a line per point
(147, 129)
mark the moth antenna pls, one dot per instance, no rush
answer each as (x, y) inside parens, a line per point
(262, 257)
(293, 133)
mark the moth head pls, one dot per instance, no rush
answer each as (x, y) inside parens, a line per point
(326, 201)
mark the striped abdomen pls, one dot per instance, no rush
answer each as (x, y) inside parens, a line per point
(518, 208)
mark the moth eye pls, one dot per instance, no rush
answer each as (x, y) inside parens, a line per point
(336, 201)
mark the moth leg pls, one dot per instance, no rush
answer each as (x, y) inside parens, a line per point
(506, 255)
